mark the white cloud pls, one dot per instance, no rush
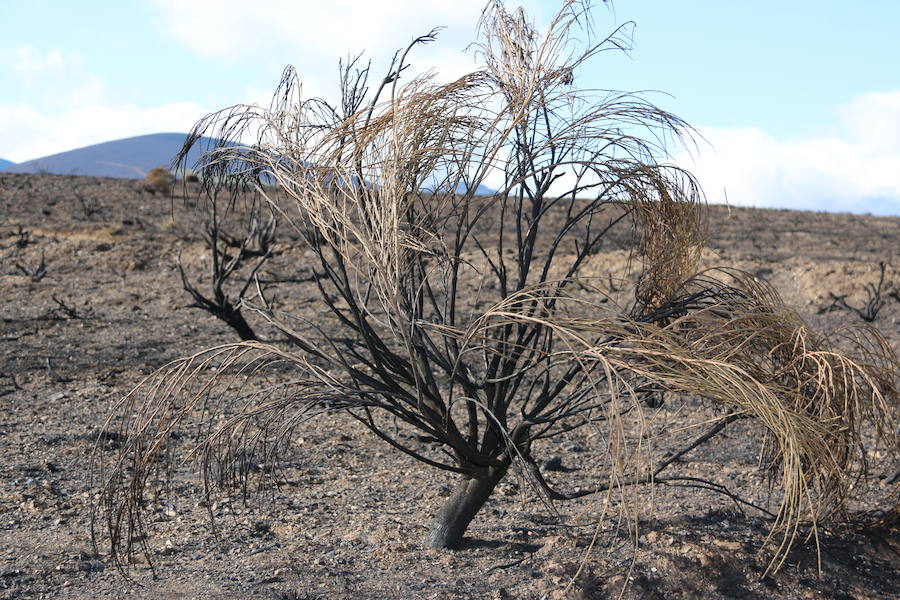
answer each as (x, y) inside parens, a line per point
(874, 120)
(858, 171)
(30, 60)
(88, 91)
(77, 111)
(63, 108)
(314, 35)
(232, 28)
(51, 132)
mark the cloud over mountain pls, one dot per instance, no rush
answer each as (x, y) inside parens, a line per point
(854, 168)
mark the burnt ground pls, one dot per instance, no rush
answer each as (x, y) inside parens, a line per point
(349, 514)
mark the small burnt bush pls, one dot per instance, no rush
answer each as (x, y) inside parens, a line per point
(463, 329)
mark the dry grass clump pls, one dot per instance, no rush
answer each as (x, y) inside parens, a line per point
(159, 179)
(463, 319)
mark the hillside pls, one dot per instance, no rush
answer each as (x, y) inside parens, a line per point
(126, 158)
(348, 514)
(5, 163)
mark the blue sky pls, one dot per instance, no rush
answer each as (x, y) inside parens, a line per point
(798, 102)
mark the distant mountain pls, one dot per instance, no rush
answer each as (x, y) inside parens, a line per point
(481, 190)
(461, 188)
(127, 158)
(5, 163)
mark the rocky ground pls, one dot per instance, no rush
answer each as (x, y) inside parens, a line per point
(91, 303)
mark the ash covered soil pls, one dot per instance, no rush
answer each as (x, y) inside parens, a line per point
(348, 515)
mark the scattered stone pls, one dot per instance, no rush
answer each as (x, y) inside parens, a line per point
(549, 545)
(262, 527)
(553, 464)
(92, 565)
(509, 488)
(728, 545)
(169, 549)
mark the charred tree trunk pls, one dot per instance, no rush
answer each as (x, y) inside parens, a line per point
(460, 508)
(220, 306)
(236, 321)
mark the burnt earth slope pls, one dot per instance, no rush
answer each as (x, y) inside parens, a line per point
(348, 516)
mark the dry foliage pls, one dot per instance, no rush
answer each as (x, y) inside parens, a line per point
(468, 319)
(159, 179)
